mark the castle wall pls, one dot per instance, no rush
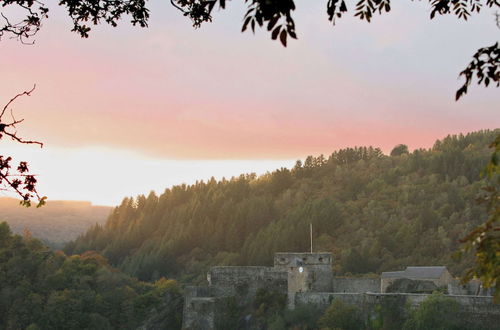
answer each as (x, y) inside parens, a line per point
(199, 313)
(199, 308)
(473, 309)
(197, 291)
(312, 278)
(306, 272)
(388, 278)
(285, 260)
(356, 285)
(320, 278)
(445, 279)
(307, 280)
(323, 299)
(473, 288)
(243, 282)
(385, 283)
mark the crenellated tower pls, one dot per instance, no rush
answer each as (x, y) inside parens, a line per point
(307, 272)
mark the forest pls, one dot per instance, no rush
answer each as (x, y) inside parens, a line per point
(374, 212)
(42, 289)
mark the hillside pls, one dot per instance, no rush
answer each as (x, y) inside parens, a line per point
(374, 212)
(41, 289)
(56, 223)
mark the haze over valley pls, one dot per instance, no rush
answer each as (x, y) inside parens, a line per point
(57, 223)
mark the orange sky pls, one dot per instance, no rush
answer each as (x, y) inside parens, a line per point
(174, 95)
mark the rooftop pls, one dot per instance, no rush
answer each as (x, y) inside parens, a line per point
(393, 274)
(424, 272)
(302, 254)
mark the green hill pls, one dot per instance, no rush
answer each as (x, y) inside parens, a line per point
(374, 212)
(56, 223)
(41, 289)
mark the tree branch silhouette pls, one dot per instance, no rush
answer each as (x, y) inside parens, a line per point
(485, 66)
(28, 27)
(274, 15)
(17, 179)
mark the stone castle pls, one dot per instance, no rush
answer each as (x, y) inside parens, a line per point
(307, 279)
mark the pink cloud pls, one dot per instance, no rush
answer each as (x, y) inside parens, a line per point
(172, 92)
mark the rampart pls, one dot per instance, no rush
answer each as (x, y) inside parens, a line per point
(199, 313)
(355, 284)
(473, 309)
(307, 280)
(243, 282)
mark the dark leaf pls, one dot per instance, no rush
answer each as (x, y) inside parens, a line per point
(283, 35)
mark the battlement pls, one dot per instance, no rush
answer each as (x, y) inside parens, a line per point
(297, 259)
(229, 275)
(307, 279)
(244, 281)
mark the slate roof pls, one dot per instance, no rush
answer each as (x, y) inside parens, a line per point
(393, 274)
(428, 272)
(424, 272)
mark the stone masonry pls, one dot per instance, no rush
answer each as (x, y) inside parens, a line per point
(307, 279)
(292, 273)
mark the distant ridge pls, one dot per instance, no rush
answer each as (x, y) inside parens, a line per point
(55, 223)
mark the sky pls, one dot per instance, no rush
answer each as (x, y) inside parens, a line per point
(129, 110)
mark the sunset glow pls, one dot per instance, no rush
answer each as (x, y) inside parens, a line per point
(96, 174)
(130, 110)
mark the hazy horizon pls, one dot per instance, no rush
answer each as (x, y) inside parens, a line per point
(56, 166)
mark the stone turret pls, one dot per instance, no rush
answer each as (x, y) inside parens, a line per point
(307, 272)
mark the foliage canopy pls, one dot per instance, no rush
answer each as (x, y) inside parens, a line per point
(341, 316)
(436, 312)
(40, 289)
(485, 239)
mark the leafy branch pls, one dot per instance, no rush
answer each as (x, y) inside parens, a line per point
(485, 66)
(81, 13)
(108, 11)
(277, 17)
(28, 27)
(485, 239)
(17, 178)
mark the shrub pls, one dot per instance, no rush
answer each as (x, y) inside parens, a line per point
(437, 312)
(341, 316)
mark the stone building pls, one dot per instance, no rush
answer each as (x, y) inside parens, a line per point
(307, 279)
(306, 272)
(436, 276)
(244, 281)
(292, 273)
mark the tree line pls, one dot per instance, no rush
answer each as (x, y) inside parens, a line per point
(372, 211)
